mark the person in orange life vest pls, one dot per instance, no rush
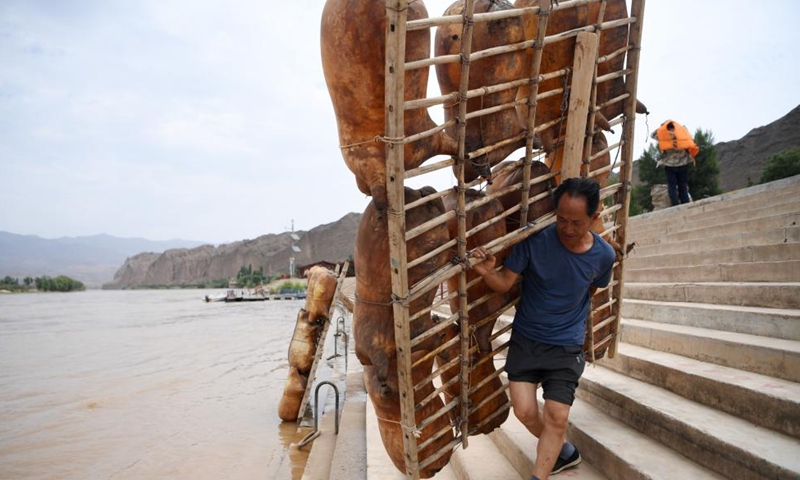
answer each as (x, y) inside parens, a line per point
(561, 267)
(677, 154)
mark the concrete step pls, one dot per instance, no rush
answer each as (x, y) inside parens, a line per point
(774, 236)
(697, 218)
(379, 465)
(754, 294)
(757, 207)
(730, 226)
(349, 458)
(766, 322)
(765, 401)
(321, 451)
(748, 198)
(764, 355)
(518, 446)
(483, 461)
(709, 254)
(781, 271)
(621, 452)
(725, 444)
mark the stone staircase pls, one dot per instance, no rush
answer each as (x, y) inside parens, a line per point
(706, 380)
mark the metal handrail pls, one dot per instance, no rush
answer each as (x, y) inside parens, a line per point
(340, 332)
(316, 433)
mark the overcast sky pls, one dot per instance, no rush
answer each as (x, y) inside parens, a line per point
(210, 120)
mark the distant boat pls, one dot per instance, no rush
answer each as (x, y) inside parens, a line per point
(258, 295)
(215, 298)
(234, 296)
(242, 296)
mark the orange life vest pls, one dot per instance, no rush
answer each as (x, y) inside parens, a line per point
(680, 139)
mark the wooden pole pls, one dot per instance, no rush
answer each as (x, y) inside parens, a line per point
(461, 221)
(590, 122)
(631, 84)
(535, 79)
(396, 16)
(579, 100)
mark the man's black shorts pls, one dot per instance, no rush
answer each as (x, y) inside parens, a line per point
(556, 367)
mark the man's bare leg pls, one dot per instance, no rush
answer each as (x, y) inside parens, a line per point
(552, 437)
(526, 407)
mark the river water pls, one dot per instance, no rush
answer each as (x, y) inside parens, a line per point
(144, 384)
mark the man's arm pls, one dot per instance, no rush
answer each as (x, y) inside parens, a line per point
(499, 281)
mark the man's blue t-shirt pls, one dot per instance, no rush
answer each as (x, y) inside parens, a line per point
(555, 286)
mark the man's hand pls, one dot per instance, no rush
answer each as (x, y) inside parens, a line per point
(501, 281)
(487, 262)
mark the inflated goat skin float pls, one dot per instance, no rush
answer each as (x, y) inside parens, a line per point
(559, 55)
(373, 321)
(352, 39)
(505, 177)
(490, 129)
(319, 292)
(385, 398)
(305, 340)
(293, 391)
(489, 403)
(302, 349)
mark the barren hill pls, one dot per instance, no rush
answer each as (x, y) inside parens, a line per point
(745, 158)
(332, 242)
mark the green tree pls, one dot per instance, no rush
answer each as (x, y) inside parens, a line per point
(247, 277)
(640, 200)
(27, 281)
(11, 284)
(288, 287)
(649, 175)
(703, 177)
(781, 165)
(59, 284)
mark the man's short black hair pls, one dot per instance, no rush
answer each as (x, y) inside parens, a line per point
(584, 187)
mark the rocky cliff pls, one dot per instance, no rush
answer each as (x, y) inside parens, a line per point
(741, 161)
(331, 242)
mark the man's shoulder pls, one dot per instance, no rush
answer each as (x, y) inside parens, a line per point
(544, 235)
(548, 233)
(606, 250)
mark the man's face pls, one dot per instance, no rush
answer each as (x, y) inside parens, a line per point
(572, 222)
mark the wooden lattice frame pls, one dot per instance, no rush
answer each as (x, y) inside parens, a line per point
(576, 160)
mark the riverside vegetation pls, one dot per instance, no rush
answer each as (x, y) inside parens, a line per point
(247, 277)
(60, 283)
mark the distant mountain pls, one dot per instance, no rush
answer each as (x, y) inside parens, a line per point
(128, 246)
(93, 259)
(743, 160)
(333, 242)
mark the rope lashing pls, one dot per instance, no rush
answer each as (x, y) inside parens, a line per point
(375, 139)
(413, 431)
(395, 299)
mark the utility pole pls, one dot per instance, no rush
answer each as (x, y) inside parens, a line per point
(295, 249)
